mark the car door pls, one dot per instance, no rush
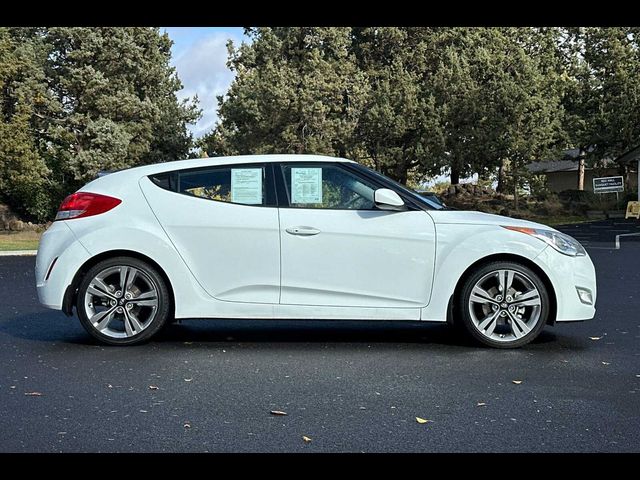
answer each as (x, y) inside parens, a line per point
(223, 220)
(338, 249)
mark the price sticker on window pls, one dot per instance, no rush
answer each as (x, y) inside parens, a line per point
(306, 185)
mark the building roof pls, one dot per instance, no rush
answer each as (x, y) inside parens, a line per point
(553, 166)
(631, 156)
(568, 163)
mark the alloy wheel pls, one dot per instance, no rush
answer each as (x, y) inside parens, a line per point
(121, 301)
(505, 305)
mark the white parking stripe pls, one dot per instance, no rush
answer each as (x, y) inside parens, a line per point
(14, 253)
(624, 235)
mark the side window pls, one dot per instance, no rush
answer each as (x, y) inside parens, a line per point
(243, 184)
(327, 186)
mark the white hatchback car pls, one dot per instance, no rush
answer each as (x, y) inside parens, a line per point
(299, 237)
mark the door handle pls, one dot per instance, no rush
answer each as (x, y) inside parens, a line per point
(303, 231)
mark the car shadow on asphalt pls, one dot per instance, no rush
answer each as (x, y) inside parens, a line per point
(322, 331)
(232, 331)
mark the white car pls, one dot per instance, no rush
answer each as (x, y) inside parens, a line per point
(299, 237)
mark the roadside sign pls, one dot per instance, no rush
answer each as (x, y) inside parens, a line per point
(608, 184)
(633, 210)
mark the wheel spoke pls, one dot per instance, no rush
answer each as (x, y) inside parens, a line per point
(130, 279)
(94, 290)
(506, 280)
(480, 295)
(124, 273)
(518, 326)
(146, 299)
(102, 319)
(488, 324)
(131, 324)
(528, 299)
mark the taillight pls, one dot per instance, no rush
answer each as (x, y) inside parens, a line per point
(85, 204)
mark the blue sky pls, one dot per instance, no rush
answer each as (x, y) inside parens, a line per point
(200, 56)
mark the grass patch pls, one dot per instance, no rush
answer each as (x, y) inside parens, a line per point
(19, 240)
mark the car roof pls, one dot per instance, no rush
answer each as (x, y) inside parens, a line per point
(235, 160)
(106, 179)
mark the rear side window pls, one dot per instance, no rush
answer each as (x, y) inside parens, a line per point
(241, 184)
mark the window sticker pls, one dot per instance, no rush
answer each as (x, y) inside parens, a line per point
(306, 185)
(246, 185)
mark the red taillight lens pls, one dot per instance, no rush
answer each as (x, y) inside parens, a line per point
(84, 204)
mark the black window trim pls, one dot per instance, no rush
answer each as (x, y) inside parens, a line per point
(408, 199)
(283, 194)
(271, 192)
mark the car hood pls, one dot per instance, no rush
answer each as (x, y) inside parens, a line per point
(478, 218)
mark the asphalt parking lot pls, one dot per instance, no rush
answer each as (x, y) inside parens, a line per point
(209, 386)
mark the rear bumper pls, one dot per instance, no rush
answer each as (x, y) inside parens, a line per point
(567, 275)
(60, 244)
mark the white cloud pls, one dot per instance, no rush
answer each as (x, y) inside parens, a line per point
(203, 71)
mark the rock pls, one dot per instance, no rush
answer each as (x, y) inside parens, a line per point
(16, 225)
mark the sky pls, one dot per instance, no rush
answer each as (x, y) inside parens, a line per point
(200, 56)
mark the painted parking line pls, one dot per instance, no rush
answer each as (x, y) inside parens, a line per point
(15, 253)
(624, 235)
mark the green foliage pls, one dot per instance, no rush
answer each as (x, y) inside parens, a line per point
(297, 90)
(602, 100)
(23, 171)
(409, 101)
(81, 100)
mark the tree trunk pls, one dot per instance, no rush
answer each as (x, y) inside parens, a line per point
(455, 175)
(581, 173)
(515, 192)
(400, 173)
(500, 187)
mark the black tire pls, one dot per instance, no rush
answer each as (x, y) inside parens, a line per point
(464, 316)
(162, 313)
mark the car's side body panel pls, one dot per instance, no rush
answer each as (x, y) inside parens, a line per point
(233, 250)
(359, 259)
(460, 246)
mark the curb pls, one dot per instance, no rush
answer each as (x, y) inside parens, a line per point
(15, 253)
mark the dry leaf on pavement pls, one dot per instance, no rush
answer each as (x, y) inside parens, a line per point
(481, 404)
(306, 439)
(33, 394)
(422, 420)
(187, 425)
(517, 382)
(606, 363)
(188, 379)
(153, 387)
(278, 412)
(595, 338)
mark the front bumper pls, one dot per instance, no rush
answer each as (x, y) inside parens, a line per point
(567, 275)
(60, 244)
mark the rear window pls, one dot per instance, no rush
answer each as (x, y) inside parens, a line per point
(241, 184)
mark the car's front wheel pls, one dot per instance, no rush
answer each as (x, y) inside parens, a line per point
(503, 304)
(123, 301)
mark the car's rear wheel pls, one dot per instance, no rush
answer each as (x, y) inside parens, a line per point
(503, 304)
(123, 301)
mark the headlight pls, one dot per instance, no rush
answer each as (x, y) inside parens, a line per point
(561, 242)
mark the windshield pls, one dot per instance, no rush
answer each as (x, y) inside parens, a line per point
(412, 193)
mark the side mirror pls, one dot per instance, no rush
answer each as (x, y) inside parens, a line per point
(386, 199)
